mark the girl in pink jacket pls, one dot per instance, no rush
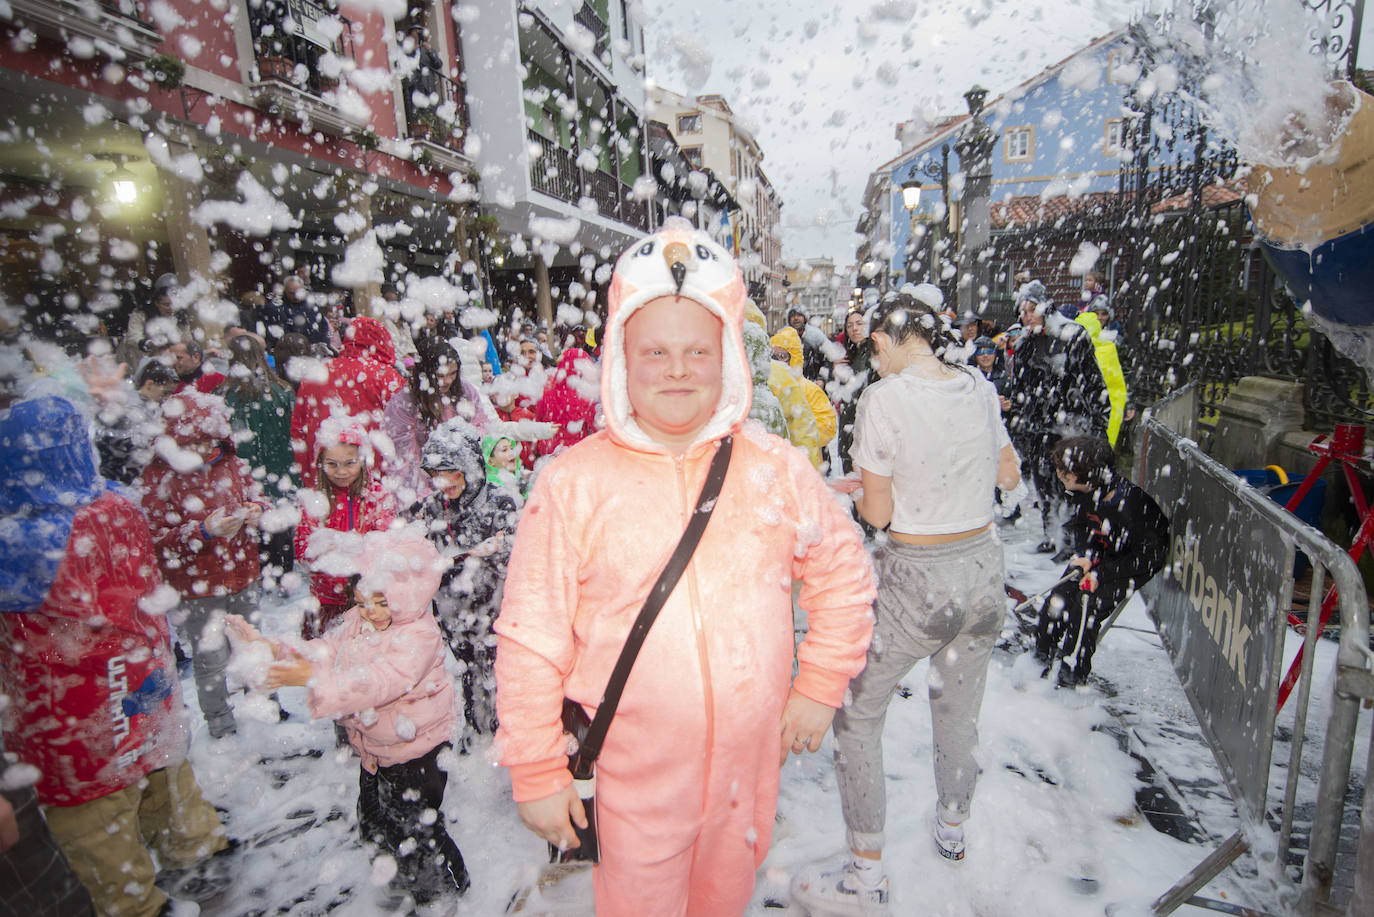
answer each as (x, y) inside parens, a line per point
(380, 673)
(688, 777)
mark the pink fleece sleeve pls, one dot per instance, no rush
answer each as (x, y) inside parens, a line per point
(387, 677)
(837, 589)
(534, 649)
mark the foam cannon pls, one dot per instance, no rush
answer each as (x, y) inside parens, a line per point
(1315, 220)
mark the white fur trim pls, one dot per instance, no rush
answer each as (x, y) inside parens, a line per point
(736, 380)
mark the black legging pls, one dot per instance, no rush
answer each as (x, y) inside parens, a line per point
(1068, 628)
(1037, 464)
(391, 804)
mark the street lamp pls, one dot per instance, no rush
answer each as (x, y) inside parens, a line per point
(911, 195)
(911, 199)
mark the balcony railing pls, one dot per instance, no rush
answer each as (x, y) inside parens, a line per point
(589, 20)
(553, 171)
(444, 120)
(119, 28)
(134, 11)
(287, 43)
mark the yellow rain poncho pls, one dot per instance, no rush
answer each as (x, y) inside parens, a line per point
(827, 421)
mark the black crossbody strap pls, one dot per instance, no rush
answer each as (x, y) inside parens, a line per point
(590, 747)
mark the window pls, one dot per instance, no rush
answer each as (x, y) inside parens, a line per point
(693, 155)
(689, 124)
(1019, 144)
(1119, 67)
(1112, 144)
(1002, 283)
(624, 20)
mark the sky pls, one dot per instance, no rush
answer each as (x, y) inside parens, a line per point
(823, 84)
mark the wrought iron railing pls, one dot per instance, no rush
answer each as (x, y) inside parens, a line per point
(444, 119)
(1339, 42)
(590, 20)
(136, 11)
(289, 48)
(1211, 310)
(636, 214)
(605, 190)
(553, 171)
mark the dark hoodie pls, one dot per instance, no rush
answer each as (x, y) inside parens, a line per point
(479, 513)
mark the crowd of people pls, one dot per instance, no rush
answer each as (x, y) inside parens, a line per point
(477, 520)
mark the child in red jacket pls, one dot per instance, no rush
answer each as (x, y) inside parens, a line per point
(345, 498)
(203, 508)
(95, 709)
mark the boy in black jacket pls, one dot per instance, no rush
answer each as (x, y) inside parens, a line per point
(1119, 538)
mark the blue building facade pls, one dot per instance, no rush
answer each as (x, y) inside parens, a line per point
(1060, 135)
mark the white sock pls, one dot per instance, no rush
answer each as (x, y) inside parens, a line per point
(949, 831)
(869, 873)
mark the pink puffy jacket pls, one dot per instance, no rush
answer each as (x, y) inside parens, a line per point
(388, 688)
(697, 730)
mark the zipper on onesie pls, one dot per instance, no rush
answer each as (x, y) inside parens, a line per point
(694, 602)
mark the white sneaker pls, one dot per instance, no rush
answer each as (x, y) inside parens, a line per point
(837, 892)
(949, 839)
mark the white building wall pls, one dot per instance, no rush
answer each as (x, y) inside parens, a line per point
(499, 145)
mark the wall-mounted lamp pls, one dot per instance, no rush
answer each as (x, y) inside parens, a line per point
(911, 194)
(123, 184)
(125, 191)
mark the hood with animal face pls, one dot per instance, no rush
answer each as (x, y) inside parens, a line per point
(678, 260)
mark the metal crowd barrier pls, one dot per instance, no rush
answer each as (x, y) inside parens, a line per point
(1221, 608)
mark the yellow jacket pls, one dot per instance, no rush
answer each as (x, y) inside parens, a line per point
(1110, 365)
(827, 421)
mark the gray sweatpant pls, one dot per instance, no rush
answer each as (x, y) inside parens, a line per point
(203, 625)
(942, 601)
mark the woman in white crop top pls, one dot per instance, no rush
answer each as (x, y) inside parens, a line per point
(929, 445)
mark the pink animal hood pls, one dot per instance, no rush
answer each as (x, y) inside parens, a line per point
(678, 260)
(400, 563)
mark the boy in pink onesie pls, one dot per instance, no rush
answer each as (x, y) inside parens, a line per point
(687, 780)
